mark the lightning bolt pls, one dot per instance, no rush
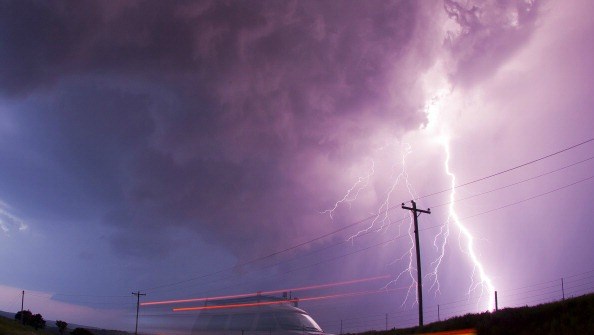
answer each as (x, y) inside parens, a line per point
(8, 220)
(352, 194)
(479, 279)
(484, 282)
(382, 218)
(433, 109)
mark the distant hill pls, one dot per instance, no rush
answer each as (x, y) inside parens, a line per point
(572, 316)
(7, 315)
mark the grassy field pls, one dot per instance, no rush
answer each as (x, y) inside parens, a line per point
(572, 316)
(12, 327)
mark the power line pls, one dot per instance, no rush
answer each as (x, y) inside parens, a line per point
(154, 288)
(514, 184)
(272, 254)
(533, 197)
(508, 170)
(426, 228)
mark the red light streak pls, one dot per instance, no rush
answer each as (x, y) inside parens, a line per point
(266, 303)
(355, 281)
(252, 304)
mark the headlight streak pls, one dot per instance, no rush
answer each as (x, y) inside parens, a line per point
(268, 303)
(295, 289)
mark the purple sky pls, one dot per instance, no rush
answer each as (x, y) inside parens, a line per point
(160, 145)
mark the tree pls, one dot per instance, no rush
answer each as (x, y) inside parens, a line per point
(62, 325)
(37, 322)
(81, 331)
(24, 317)
(27, 318)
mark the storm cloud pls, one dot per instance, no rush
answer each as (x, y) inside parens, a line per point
(204, 115)
(159, 145)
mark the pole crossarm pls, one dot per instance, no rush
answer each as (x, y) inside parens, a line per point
(416, 213)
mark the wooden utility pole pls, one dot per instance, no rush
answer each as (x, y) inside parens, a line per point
(137, 294)
(416, 212)
(496, 302)
(562, 289)
(22, 307)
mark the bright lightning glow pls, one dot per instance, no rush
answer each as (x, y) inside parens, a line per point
(444, 103)
(484, 281)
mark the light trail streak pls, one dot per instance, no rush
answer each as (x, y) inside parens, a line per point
(268, 303)
(296, 289)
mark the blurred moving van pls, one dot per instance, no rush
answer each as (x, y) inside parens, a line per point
(257, 315)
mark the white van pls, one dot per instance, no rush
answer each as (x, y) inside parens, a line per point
(251, 317)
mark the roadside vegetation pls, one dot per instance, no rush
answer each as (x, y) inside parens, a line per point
(27, 323)
(572, 316)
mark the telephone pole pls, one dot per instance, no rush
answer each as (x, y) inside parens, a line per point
(22, 307)
(416, 212)
(137, 294)
(496, 302)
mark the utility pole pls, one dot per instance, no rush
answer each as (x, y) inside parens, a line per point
(438, 318)
(137, 294)
(562, 289)
(22, 307)
(496, 303)
(386, 321)
(416, 212)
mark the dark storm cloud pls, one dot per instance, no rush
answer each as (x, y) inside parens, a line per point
(490, 32)
(203, 115)
(41, 40)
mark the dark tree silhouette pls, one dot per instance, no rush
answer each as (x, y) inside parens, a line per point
(24, 316)
(81, 331)
(37, 322)
(27, 318)
(62, 325)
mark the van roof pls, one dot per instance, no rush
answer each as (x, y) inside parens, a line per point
(247, 300)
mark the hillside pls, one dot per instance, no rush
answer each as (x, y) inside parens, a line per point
(12, 327)
(572, 316)
(8, 326)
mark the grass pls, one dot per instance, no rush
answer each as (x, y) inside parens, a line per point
(572, 316)
(13, 327)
